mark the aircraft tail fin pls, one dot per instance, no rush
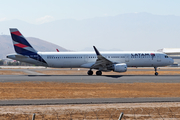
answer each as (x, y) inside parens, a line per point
(21, 45)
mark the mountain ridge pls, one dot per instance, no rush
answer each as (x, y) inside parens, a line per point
(6, 45)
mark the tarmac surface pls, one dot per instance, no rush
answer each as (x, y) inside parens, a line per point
(85, 101)
(92, 79)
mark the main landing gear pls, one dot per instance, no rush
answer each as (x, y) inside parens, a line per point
(98, 73)
(90, 72)
(156, 73)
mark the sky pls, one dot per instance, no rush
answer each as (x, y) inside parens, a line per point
(38, 12)
(41, 11)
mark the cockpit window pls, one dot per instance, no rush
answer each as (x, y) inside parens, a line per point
(166, 56)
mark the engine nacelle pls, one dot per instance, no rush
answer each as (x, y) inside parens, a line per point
(120, 67)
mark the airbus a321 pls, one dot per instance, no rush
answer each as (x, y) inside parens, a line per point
(104, 61)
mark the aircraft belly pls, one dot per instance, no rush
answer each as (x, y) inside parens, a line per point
(145, 63)
(139, 63)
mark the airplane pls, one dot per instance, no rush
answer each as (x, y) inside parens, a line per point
(104, 61)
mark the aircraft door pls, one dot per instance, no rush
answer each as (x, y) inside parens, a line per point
(158, 58)
(39, 58)
(127, 58)
(86, 58)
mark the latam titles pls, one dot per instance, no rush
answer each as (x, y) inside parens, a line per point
(141, 55)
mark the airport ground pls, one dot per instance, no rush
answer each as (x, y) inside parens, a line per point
(23, 70)
(66, 90)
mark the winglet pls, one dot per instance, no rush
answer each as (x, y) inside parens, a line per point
(97, 52)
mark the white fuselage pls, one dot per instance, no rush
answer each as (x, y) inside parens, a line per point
(87, 59)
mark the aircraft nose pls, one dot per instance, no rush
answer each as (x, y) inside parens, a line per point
(171, 61)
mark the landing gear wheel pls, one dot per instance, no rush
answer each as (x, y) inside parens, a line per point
(156, 73)
(90, 72)
(98, 73)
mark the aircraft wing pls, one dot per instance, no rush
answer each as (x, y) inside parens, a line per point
(101, 63)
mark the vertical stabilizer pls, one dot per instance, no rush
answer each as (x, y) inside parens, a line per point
(21, 45)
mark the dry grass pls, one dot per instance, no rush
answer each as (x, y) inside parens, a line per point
(83, 72)
(9, 72)
(93, 111)
(46, 90)
(131, 71)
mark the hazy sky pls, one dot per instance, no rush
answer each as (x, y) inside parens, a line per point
(41, 11)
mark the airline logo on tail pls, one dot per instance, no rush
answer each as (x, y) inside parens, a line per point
(22, 46)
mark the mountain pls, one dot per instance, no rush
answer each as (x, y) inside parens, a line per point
(131, 31)
(6, 45)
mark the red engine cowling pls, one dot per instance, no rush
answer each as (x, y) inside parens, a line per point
(122, 67)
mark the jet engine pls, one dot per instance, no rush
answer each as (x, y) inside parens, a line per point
(122, 67)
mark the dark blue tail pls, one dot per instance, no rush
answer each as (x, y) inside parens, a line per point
(21, 45)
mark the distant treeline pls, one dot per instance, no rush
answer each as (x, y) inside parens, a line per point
(14, 63)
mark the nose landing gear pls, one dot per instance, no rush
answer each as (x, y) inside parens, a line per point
(156, 73)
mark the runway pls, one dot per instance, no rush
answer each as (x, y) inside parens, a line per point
(85, 101)
(92, 79)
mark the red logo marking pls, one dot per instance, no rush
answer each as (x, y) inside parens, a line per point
(16, 33)
(152, 54)
(20, 45)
